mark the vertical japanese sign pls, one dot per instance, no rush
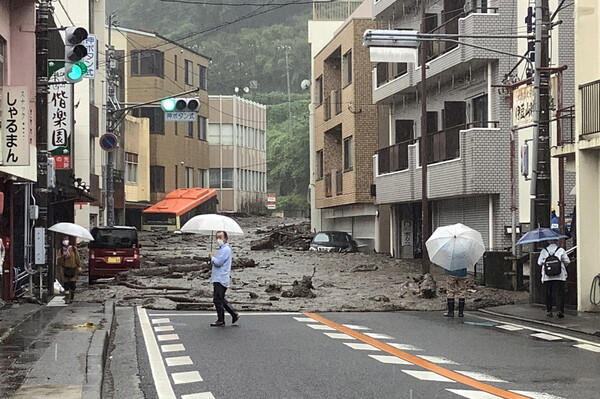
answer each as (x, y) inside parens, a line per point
(60, 115)
(90, 58)
(14, 126)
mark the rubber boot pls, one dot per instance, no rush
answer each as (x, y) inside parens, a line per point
(72, 297)
(450, 312)
(461, 307)
(67, 296)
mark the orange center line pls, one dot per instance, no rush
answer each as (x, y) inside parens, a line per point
(453, 375)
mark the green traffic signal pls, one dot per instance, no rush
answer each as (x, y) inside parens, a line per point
(168, 104)
(74, 72)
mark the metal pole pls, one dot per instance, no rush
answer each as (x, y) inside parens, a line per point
(110, 122)
(425, 228)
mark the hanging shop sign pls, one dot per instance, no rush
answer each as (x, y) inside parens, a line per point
(15, 126)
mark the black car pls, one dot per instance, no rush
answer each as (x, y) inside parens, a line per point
(333, 241)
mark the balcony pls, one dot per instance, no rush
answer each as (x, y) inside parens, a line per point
(463, 160)
(334, 11)
(565, 133)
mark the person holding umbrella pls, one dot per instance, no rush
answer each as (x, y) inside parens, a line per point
(456, 286)
(554, 278)
(69, 262)
(221, 268)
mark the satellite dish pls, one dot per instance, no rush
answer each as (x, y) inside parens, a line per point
(305, 84)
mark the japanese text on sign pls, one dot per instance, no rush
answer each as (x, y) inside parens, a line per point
(90, 58)
(181, 116)
(15, 126)
(60, 118)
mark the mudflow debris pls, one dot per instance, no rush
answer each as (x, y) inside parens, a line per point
(273, 270)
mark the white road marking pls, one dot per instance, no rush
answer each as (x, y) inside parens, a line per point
(168, 337)
(588, 347)
(164, 390)
(339, 336)
(537, 395)
(480, 376)
(172, 348)
(204, 395)
(163, 328)
(437, 359)
(186, 377)
(305, 319)
(57, 301)
(465, 393)
(212, 314)
(179, 361)
(361, 347)
(547, 337)
(378, 336)
(321, 327)
(160, 321)
(355, 327)
(389, 359)
(427, 375)
(405, 347)
(510, 327)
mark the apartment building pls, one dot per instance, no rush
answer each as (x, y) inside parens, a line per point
(238, 153)
(155, 67)
(345, 131)
(469, 121)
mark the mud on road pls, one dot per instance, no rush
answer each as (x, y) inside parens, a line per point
(175, 275)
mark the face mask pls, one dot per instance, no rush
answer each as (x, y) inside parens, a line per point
(65, 242)
(220, 242)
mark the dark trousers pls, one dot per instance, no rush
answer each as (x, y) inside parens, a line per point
(220, 302)
(555, 294)
(69, 286)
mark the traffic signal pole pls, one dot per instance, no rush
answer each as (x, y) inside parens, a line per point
(425, 224)
(111, 123)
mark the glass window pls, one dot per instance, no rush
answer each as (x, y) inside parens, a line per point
(202, 73)
(227, 177)
(189, 177)
(202, 178)
(348, 158)
(175, 65)
(347, 68)
(215, 178)
(147, 63)
(189, 73)
(319, 166)
(227, 181)
(319, 90)
(131, 166)
(190, 130)
(480, 111)
(156, 116)
(157, 179)
(202, 128)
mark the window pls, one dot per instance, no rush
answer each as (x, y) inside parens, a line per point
(225, 182)
(347, 68)
(202, 128)
(404, 130)
(189, 73)
(227, 177)
(157, 179)
(319, 165)
(480, 111)
(202, 76)
(348, 158)
(319, 90)
(190, 130)
(215, 178)
(175, 64)
(189, 177)
(147, 63)
(202, 174)
(131, 166)
(2, 60)
(156, 116)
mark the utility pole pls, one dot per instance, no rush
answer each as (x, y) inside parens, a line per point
(425, 233)
(289, 93)
(111, 123)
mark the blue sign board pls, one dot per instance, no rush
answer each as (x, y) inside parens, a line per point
(109, 142)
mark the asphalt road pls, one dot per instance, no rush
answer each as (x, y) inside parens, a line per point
(357, 355)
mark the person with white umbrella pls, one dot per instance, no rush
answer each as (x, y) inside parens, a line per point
(221, 268)
(69, 262)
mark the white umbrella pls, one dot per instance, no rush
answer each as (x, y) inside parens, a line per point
(72, 229)
(455, 247)
(211, 223)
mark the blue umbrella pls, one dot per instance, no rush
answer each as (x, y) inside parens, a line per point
(540, 234)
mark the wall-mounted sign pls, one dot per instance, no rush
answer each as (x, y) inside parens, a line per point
(523, 102)
(90, 59)
(60, 115)
(14, 126)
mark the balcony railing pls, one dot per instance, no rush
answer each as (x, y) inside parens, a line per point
(566, 121)
(393, 158)
(339, 182)
(337, 101)
(336, 10)
(590, 107)
(328, 185)
(327, 108)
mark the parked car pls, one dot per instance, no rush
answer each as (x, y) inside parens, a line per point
(333, 241)
(114, 249)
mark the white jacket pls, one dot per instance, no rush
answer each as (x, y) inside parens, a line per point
(560, 254)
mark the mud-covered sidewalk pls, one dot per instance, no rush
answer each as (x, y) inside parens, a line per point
(175, 275)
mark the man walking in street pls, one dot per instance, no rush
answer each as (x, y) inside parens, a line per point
(221, 268)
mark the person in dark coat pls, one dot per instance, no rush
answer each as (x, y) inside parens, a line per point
(68, 263)
(555, 285)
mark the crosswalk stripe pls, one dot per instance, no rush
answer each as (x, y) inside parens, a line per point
(172, 348)
(163, 328)
(588, 347)
(465, 393)
(339, 336)
(168, 337)
(355, 327)
(390, 359)
(480, 376)
(405, 347)
(361, 347)
(537, 395)
(437, 359)
(379, 336)
(304, 319)
(547, 337)
(203, 395)
(179, 361)
(186, 377)
(427, 376)
(320, 327)
(160, 321)
(510, 327)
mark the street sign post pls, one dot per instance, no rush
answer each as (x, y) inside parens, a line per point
(180, 116)
(109, 142)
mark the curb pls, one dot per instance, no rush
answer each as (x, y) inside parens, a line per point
(96, 355)
(544, 323)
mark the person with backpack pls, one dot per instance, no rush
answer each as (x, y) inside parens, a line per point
(554, 260)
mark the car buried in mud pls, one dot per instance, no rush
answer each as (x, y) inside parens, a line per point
(333, 241)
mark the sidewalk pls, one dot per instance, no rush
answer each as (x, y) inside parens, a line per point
(582, 322)
(53, 351)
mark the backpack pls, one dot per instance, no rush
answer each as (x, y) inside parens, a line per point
(552, 265)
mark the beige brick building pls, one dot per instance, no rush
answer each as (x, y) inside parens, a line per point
(345, 131)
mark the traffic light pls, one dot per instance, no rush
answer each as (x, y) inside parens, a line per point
(75, 51)
(180, 105)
